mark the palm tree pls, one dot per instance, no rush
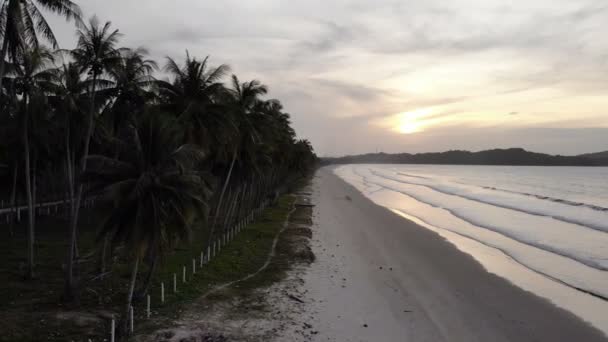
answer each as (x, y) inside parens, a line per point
(243, 99)
(133, 85)
(22, 21)
(193, 95)
(152, 192)
(32, 80)
(69, 100)
(95, 53)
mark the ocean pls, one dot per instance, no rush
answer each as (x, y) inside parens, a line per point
(551, 220)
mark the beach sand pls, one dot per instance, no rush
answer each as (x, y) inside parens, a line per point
(379, 277)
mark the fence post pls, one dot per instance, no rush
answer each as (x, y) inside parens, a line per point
(112, 329)
(202, 259)
(131, 319)
(174, 283)
(162, 293)
(148, 306)
(193, 266)
(184, 274)
(208, 253)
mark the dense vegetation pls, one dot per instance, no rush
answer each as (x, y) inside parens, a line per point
(512, 156)
(156, 156)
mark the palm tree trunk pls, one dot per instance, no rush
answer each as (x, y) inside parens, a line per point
(34, 187)
(230, 210)
(83, 166)
(219, 202)
(125, 320)
(3, 54)
(28, 189)
(14, 196)
(69, 294)
(243, 196)
(103, 256)
(235, 208)
(144, 288)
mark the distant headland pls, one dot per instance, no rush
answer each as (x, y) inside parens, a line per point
(510, 156)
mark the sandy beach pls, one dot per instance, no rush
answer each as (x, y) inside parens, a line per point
(379, 277)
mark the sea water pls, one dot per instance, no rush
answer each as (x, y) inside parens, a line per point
(553, 221)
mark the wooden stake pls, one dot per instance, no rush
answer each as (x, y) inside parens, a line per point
(162, 293)
(148, 306)
(131, 319)
(112, 330)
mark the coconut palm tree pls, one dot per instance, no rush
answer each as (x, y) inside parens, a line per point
(32, 79)
(194, 95)
(133, 85)
(69, 99)
(242, 103)
(152, 191)
(95, 53)
(23, 21)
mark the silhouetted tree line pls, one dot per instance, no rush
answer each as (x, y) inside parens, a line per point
(511, 156)
(157, 154)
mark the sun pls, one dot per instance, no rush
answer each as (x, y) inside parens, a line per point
(411, 122)
(409, 127)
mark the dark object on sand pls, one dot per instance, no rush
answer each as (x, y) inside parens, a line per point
(295, 298)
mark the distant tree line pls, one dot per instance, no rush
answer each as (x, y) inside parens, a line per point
(158, 154)
(511, 156)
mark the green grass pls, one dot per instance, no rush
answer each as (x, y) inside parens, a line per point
(242, 256)
(29, 307)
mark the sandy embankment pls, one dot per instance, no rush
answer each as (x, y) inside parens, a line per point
(379, 277)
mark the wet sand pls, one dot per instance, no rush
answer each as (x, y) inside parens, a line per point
(379, 277)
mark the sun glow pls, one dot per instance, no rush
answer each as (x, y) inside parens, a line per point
(411, 122)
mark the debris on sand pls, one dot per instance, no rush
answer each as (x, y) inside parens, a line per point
(295, 298)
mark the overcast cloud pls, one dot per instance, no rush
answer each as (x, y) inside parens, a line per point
(355, 75)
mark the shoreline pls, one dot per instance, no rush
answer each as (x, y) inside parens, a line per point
(402, 281)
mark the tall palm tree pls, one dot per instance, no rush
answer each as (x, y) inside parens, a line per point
(32, 79)
(69, 99)
(133, 85)
(22, 21)
(193, 95)
(95, 53)
(152, 191)
(242, 102)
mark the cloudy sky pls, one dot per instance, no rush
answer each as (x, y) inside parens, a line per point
(400, 76)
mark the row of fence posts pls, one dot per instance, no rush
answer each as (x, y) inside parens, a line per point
(48, 208)
(205, 257)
